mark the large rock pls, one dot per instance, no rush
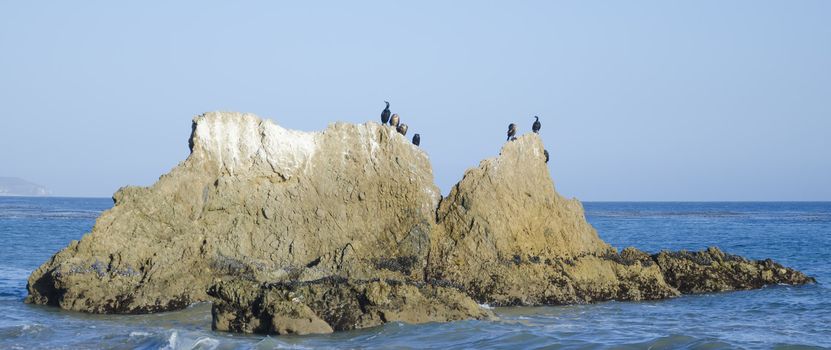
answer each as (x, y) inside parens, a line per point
(253, 200)
(290, 232)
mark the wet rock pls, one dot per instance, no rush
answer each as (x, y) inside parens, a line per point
(712, 270)
(335, 304)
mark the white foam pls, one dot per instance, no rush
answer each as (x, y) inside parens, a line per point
(184, 341)
(205, 343)
(172, 341)
(271, 343)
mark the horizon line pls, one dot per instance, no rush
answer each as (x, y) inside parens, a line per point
(581, 200)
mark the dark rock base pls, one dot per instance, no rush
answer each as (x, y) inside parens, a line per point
(334, 304)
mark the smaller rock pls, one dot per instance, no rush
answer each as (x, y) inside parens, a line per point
(712, 270)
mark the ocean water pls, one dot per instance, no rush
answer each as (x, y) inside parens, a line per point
(796, 234)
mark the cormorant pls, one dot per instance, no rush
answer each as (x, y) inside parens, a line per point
(511, 131)
(545, 152)
(385, 115)
(402, 129)
(416, 139)
(537, 125)
(394, 120)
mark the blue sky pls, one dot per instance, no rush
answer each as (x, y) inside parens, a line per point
(639, 100)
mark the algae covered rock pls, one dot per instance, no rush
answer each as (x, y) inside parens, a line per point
(712, 270)
(329, 304)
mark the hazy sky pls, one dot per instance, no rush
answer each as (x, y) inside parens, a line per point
(639, 100)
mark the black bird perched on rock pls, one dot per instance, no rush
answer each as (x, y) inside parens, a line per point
(416, 139)
(394, 120)
(385, 114)
(537, 125)
(402, 129)
(511, 131)
(545, 152)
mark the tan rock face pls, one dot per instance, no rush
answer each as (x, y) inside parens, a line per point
(290, 232)
(508, 206)
(253, 200)
(507, 236)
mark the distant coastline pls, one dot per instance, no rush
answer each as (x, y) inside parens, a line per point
(15, 186)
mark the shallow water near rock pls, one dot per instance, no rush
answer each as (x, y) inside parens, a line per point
(795, 234)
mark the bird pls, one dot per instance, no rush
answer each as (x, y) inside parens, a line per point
(511, 130)
(416, 139)
(402, 129)
(394, 120)
(545, 153)
(385, 114)
(537, 125)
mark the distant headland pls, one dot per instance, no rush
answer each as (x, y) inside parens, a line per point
(15, 186)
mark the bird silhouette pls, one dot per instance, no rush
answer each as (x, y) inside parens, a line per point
(511, 131)
(385, 114)
(402, 129)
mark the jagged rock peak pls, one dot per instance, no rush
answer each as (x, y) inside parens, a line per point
(510, 201)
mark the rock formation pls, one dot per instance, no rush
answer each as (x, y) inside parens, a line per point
(291, 232)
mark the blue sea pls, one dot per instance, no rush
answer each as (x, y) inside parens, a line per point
(795, 234)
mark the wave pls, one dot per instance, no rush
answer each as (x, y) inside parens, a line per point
(195, 340)
(173, 340)
(40, 214)
(24, 331)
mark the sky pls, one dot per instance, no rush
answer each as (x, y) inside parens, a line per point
(639, 100)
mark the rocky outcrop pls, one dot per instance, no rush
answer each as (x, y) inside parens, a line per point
(712, 270)
(290, 232)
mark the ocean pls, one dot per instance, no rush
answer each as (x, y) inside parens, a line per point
(795, 234)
